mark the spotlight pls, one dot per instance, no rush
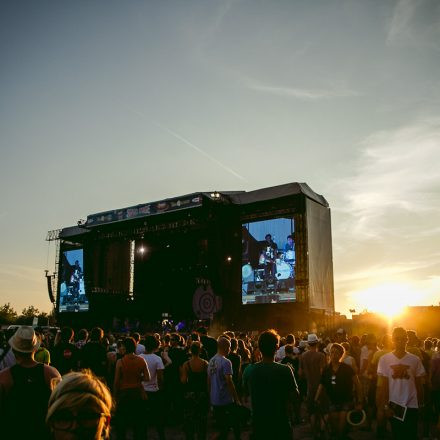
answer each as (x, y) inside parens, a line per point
(142, 250)
(229, 259)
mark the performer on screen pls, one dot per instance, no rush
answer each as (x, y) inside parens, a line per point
(75, 279)
(289, 257)
(289, 250)
(268, 256)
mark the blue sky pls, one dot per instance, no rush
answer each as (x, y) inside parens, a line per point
(106, 104)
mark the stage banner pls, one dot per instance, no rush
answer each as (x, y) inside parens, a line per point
(145, 210)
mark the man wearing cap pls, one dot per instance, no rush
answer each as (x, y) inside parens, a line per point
(311, 365)
(25, 389)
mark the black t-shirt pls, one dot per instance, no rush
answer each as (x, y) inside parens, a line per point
(210, 345)
(25, 405)
(94, 356)
(339, 385)
(64, 357)
(236, 362)
(271, 386)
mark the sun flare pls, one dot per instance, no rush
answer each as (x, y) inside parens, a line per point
(388, 299)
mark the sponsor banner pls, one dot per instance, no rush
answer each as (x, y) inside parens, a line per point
(145, 210)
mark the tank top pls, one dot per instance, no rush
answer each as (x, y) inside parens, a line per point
(197, 380)
(132, 368)
(26, 403)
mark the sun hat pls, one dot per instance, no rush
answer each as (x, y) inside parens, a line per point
(24, 340)
(356, 417)
(312, 338)
(302, 344)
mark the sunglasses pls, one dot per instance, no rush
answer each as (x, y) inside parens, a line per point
(65, 421)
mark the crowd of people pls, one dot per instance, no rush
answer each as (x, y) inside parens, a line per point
(94, 385)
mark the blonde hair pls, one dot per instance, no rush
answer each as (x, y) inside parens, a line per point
(78, 390)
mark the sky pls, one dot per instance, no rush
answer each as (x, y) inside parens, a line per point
(107, 104)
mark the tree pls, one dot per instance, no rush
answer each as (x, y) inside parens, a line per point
(30, 312)
(27, 315)
(7, 314)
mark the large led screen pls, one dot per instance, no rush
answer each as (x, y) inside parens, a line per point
(72, 296)
(268, 261)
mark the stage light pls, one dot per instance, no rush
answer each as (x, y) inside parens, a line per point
(229, 259)
(142, 250)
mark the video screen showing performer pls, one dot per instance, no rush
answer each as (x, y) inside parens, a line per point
(72, 292)
(268, 261)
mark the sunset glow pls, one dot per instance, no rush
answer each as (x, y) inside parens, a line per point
(389, 299)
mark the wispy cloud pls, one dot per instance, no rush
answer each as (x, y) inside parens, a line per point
(415, 22)
(302, 93)
(397, 173)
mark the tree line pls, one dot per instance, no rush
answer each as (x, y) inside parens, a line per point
(9, 316)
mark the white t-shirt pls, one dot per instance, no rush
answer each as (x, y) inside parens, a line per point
(140, 349)
(154, 363)
(365, 354)
(401, 374)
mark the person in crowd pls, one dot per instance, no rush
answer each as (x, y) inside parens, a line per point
(25, 389)
(112, 358)
(413, 344)
(42, 355)
(129, 392)
(292, 360)
(355, 350)
(208, 342)
(347, 358)
(174, 357)
(155, 411)
(93, 355)
(311, 365)
(83, 335)
(341, 336)
(273, 389)
(235, 359)
(338, 380)
(222, 390)
(194, 377)
(367, 381)
(400, 375)
(434, 380)
(280, 354)
(140, 348)
(385, 347)
(244, 354)
(65, 356)
(80, 408)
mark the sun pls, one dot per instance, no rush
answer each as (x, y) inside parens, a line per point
(389, 299)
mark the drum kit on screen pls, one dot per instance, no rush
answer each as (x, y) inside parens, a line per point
(272, 275)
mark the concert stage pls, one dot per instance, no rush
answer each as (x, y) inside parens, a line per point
(243, 260)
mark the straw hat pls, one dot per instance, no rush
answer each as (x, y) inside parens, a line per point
(24, 340)
(312, 338)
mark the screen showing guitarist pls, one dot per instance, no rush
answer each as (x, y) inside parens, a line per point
(268, 256)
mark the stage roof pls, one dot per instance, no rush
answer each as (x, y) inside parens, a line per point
(277, 192)
(196, 200)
